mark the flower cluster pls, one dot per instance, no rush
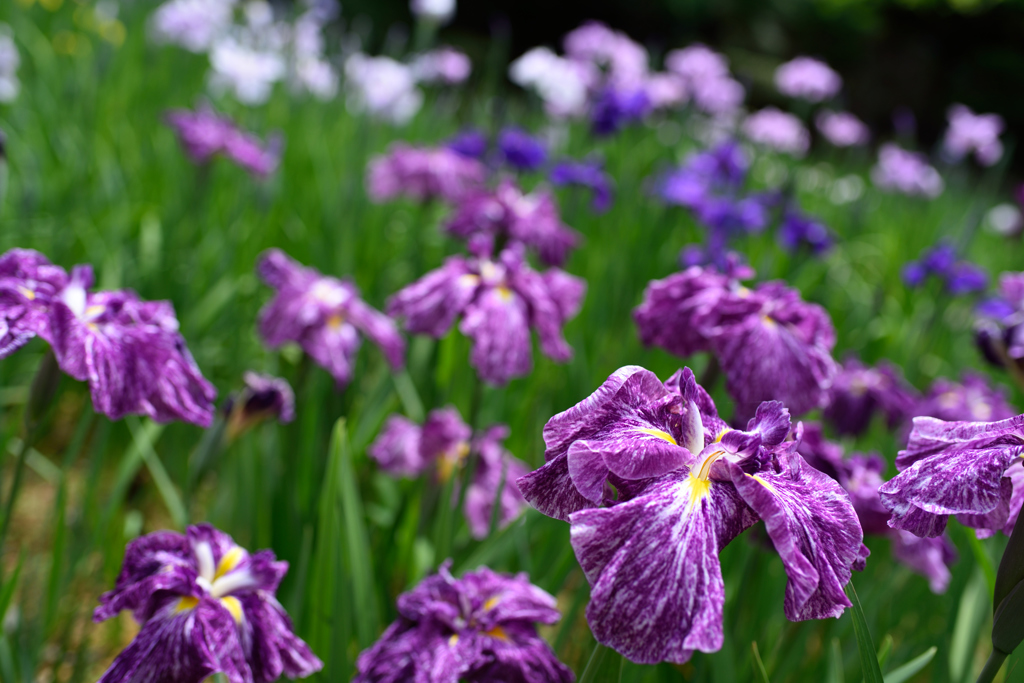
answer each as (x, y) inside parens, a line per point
(861, 476)
(589, 174)
(960, 277)
(808, 79)
(842, 129)
(481, 627)
(899, 170)
(969, 400)
(204, 134)
(128, 350)
(777, 130)
(654, 485)
(499, 298)
(701, 309)
(205, 606)
(323, 315)
(444, 442)
(705, 75)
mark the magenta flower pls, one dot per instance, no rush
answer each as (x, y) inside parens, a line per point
(808, 79)
(777, 130)
(478, 629)
(956, 468)
(323, 315)
(842, 129)
(205, 606)
(499, 301)
(970, 400)
(506, 213)
(205, 134)
(686, 486)
(423, 174)
(771, 344)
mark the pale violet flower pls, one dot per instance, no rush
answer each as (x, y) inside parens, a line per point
(808, 79)
(973, 133)
(382, 88)
(842, 129)
(192, 24)
(247, 73)
(777, 130)
(442, 65)
(906, 172)
(561, 83)
(9, 62)
(705, 74)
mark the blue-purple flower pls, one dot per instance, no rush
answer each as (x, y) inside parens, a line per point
(798, 229)
(616, 108)
(499, 300)
(589, 174)
(998, 329)
(654, 485)
(205, 606)
(323, 315)
(203, 133)
(960, 277)
(470, 143)
(479, 628)
(965, 469)
(507, 214)
(520, 150)
(861, 476)
(859, 391)
(771, 344)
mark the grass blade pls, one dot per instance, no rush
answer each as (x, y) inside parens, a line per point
(163, 482)
(605, 666)
(836, 674)
(759, 665)
(904, 673)
(970, 615)
(868, 659)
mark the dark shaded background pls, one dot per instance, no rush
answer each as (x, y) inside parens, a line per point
(917, 54)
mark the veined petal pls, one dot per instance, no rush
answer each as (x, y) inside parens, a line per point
(652, 563)
(154, 565)
(929, 557)
(814, 528)
(498, 323)
(431, 304)
(333, 347)
(380, 329)
(275, 649)
(550, 489)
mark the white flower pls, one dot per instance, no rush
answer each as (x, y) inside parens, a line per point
(440, 11)
(247, 73)
(561, 83)
(383, 88)
(192, 24)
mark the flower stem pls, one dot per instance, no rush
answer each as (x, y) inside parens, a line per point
(992, 666)
(19, 471)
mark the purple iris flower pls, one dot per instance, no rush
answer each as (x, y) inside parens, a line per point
(499, 300)
(589, 174)
(29, 284)
(520, 150)
(956, 468)
(423, 174)
(263, 397)
(494, 481)
(129, 351)
(998, 330)
(471, 144)
(906, 172)
(203, 134)
(799, 229)
(960, 277)
(861, 476)
(323, 315)
(404, 448)
(205, 606)
(771, 344)
(478, 628)
(616, 108)
(859, 391)
(684, 486)
(506, 213)
(970, 400)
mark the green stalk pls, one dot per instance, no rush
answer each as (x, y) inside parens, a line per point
(992, 666)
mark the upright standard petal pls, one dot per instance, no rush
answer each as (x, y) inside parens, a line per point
(652, 563)
(431, 304)
(678, 312)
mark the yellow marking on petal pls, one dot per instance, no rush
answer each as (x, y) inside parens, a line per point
(232, 605)
(92, 326)
(699, 490)
(658, 433)
(27, 293)
(497, 632)
(469, 280)
(743, 292)
(186, 603)
(768, 321)
(229, 561)
(718, 439)
(491, 603)
(505, 293)
(451, 459)
(95, 309)
(454, 639)
(335, 321)
(763, 483)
